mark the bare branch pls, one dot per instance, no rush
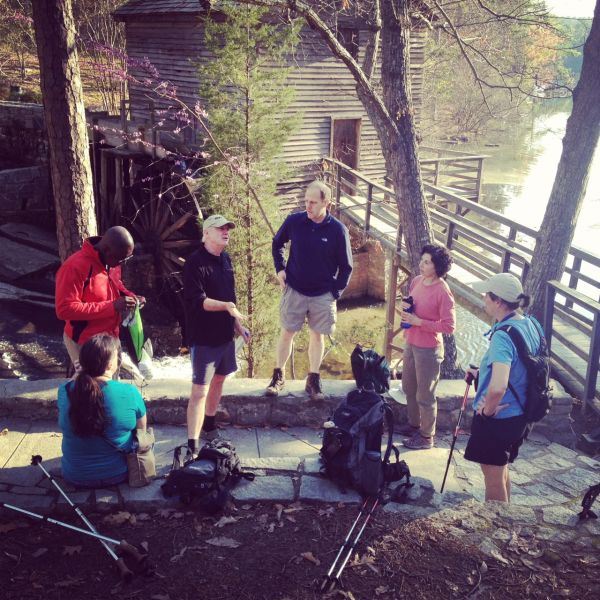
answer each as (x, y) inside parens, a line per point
(372, 45)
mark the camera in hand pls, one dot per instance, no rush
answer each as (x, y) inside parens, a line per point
(410, 309)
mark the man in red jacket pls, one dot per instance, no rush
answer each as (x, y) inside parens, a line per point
(90, 296)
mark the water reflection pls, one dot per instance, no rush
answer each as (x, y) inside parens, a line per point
(519, 173)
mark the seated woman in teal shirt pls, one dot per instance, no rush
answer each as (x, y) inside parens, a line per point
(97, 416)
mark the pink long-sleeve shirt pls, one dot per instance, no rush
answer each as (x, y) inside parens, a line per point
(434, 305)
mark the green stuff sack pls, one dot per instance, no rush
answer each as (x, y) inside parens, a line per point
(136, 331)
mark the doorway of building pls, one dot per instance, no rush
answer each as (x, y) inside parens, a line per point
(345, 147)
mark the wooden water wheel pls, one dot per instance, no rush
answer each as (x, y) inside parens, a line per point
(164, 220)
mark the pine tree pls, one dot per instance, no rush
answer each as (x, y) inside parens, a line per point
(244, 89)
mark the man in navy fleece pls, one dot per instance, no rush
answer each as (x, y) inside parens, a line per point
(317, 272)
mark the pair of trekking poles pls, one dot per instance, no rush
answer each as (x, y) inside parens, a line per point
(137, 558)
(332, 578)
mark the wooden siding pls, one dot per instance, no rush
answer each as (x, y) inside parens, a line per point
(324, 88)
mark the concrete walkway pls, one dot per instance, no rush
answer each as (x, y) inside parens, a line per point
(549, 481)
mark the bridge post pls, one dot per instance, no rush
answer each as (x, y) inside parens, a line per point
(549, 313)
(367, 224)
(591, 375)
(574, 279)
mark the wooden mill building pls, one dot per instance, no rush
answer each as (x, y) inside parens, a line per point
(169, 33)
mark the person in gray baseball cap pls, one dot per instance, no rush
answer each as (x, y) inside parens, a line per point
(212, 320)
(499, 426)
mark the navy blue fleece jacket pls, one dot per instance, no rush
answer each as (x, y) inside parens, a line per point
(320, 258)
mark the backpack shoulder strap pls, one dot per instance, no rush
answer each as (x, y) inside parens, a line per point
(389, 418)
(522, 351)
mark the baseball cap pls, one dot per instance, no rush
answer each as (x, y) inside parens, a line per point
(504, 285)
(216, 221)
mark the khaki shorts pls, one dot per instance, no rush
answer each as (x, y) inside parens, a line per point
(295, 308)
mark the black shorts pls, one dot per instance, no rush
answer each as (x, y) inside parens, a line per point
(495, 441)
(208, 360)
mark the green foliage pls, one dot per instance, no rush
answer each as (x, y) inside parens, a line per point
(248, 105)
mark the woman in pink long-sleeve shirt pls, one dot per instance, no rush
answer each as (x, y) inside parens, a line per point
(433, 315)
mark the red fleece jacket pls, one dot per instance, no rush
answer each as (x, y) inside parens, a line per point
(85, 294)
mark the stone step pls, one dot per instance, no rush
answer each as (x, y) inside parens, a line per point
(244, 403)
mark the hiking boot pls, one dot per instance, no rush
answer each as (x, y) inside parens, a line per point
(407, 430)
(210, 436)
(313, 387)
(418, 442)
(277, 383)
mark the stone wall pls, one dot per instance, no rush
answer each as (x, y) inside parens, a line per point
(244, 404)
(25, 189)
(23, 137)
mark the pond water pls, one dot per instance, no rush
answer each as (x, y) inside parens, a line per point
(519, 173)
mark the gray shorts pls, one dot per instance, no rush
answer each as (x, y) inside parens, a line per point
(210, 360)
(295, 308)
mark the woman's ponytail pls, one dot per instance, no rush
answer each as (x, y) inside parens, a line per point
(86, 399)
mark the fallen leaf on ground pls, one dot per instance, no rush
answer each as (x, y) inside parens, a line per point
(271, 527)
(118, 518)
(144, 545)
(71, 550)
(39, 552)
(143, 517)
(279, 509)
(225, 521)
(224, 542)
(291, 519)
(310, 557)
(68, 582)
(382, 589)
(6, 527)
(326, 512)
(176, 557)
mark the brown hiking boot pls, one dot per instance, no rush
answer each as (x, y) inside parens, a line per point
(277, 383)
(313, 387)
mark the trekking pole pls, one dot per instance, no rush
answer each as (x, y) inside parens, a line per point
(122, 545)
(336, 579)
(327, 579)
(125, 572)
(469, 379)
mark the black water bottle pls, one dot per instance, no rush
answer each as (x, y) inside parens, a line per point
(410, 309)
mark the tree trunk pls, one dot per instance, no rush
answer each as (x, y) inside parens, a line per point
(65, 121)
(400, 150)
(579, 144)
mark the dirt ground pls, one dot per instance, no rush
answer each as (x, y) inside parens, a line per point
(276, 552)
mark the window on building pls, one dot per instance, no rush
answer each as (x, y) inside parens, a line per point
(349, 39)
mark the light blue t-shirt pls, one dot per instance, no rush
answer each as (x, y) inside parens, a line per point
(93, 458)
(502, 350)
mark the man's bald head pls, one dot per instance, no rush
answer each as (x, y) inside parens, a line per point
(116, 246)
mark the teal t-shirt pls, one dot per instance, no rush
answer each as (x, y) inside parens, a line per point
(93, 458)
(502, 350)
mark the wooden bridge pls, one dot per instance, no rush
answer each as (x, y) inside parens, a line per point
(483, 242)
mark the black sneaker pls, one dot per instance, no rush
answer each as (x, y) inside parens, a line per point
(313, 387)
(277, 383)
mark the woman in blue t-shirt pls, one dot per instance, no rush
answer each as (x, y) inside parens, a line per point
(499, 426)
(97, 416)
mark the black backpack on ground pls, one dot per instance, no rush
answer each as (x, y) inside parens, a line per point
(208, 478)
(352, 438)
(538, 397)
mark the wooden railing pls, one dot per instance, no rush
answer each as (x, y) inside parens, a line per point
(586, 347)
(452, 170)
(483, 242)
